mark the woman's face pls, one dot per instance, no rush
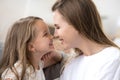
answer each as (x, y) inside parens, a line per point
(65, 32)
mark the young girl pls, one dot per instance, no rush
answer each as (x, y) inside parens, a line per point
(27, 41)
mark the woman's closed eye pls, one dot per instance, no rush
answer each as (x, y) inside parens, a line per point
(57, 27)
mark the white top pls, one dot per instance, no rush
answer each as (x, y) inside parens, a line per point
(117, 41)
(30, 74)
(104, 65)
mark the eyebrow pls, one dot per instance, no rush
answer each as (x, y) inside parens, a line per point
(45, 31)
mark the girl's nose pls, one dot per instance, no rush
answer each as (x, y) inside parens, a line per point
(51, 36)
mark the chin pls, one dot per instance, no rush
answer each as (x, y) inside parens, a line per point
(70, 46)
(66, 47)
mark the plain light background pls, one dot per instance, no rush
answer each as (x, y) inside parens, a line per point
(12, 10)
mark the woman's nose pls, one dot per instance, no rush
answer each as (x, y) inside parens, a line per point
(55, 34)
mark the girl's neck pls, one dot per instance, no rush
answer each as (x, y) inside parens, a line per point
(35, 62)
(36, 66)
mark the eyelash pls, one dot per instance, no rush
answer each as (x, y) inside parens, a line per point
(45, 34)
(57, 27)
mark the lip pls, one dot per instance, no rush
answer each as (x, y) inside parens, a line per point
(51, 44)
(61, 40)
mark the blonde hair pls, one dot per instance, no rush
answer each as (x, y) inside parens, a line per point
(15, 47)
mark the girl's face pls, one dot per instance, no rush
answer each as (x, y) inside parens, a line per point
(43, 41)
(65, 32)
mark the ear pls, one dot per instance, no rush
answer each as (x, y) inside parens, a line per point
(31, 47)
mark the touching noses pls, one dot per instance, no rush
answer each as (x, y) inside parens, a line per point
(56, 34)
(51, 36)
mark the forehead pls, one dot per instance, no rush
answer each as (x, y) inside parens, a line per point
(59, 20)
(57, 17)
(41, 26)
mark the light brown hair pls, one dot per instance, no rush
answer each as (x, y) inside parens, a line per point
(83, 15)
(21, 33)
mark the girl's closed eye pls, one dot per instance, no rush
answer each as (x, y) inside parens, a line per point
(45, 34)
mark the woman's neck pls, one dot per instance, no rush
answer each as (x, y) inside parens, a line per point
(89, 48)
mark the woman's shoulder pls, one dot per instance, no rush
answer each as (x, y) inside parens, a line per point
(111, 54)
(112, 51)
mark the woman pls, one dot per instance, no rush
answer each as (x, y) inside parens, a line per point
(78, 25)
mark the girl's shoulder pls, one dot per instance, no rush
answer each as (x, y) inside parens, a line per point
(9, 73)
(29, 73)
